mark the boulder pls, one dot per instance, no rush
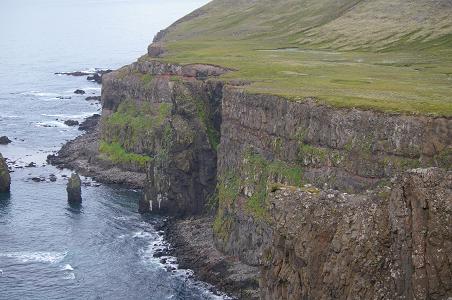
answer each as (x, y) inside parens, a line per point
(5, 179)
(79, 92)
(71, 123)
(74, 191)
(4, 140)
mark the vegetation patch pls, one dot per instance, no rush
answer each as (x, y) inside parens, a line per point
(117, 154)
(212, 134)
(135, 122)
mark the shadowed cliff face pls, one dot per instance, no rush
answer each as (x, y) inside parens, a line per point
(288, 179)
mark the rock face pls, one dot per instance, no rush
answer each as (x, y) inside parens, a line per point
(382, 245)
(300, 189)
(180, 136)
(74, 191)
(5, 179)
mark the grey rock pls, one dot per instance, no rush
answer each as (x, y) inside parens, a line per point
(5, 178)
(73, 189)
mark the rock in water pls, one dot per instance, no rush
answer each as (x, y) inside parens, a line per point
(4, 140)
(5, 179)
(74, 191)
(71, 123)
(79, 92)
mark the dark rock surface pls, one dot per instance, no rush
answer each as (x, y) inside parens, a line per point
(192, 244)
(79, 92)
(71, 122)
(5, 179)
(387, 244)
(90, 123)
(93, 98)
(74, 190)
(4, 140)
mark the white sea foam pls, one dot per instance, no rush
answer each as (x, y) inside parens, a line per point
(142, 234)
(68, 267)
(10, 117)
(44, 257)
(39, 94)
(51, 124)
(64, 116)
(69, 276)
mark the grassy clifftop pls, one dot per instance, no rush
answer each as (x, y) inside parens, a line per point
(385, 55)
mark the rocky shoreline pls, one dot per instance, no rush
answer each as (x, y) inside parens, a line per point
(82, 155)
(191, 240)
(193, 245)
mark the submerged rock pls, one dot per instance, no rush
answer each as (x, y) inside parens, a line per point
(5, 179)
(74, 191)
(4, 140)
(93, 98)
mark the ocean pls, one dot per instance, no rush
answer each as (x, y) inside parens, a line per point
(47, 249)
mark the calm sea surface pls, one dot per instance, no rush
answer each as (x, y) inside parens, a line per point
(48, 250)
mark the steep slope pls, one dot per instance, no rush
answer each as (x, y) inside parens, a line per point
(385, 55)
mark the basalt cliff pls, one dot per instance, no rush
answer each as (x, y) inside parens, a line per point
(328, 201)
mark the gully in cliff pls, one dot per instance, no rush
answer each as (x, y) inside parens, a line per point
(5, 179)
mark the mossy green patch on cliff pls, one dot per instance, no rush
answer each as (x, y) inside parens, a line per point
(212, 134)
(117, 154)
(338, 52)
(134, 122)
(260, 175)
(146, 78)
(444, 158)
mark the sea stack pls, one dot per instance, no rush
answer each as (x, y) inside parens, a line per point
(5, 179)
(74, 190)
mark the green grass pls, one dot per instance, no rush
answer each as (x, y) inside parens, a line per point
(338, 52)
(133, 122)
(117, 154)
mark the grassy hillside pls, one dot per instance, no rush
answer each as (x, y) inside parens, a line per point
(378, 54)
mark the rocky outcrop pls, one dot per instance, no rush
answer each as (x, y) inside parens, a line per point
(5, 179)
(378, 245)
(74, 189)
(165, 113)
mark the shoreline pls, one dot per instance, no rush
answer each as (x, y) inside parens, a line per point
(191, 239)
(81, 155)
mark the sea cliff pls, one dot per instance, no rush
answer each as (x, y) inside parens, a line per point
(347, 199)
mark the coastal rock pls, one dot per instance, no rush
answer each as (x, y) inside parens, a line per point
(387, 244)
(73, 189)
(4, 140)
(71, 122)
(5, 179)
(97, 77)
(79, 92)
(93, 98)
